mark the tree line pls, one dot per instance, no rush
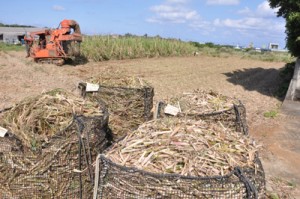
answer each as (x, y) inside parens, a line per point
(15, 25)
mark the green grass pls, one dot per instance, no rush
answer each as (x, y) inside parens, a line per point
(271, 114)
(214, 50)
(250, 54)
(11, 47)
(269, 56)
(100, 48)
(274, 196)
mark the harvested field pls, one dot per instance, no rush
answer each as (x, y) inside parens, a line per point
(253, 82)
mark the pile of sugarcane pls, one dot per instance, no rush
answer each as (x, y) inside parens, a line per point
(36, 119)
(116, 78)
(203, 102)
(129, 100)
(185, 147)
(208, 105)
(53, 141)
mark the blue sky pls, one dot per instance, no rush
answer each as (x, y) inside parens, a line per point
(220, 21)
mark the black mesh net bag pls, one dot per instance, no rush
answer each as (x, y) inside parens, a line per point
(117, 181)
(52, 141)
(129, 101)
(207, 105)
(181, 158)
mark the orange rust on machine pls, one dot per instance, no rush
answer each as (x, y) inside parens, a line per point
(55, 45)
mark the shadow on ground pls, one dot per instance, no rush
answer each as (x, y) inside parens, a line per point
(270, 82)
(81, 60)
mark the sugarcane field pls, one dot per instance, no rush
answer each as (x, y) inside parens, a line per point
(163, 127)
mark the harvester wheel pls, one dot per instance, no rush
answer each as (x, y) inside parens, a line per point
(59, 62)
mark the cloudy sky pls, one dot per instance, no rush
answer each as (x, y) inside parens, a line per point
(220, 21)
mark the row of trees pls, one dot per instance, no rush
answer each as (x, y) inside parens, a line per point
(14, 25)
(290, 11)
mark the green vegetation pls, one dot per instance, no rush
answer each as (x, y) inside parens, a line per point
(268, 56)
(271, 114)
(11, 47)
(99, 48)
(274, 196)
(15, 25)
(290, 11)
(285, 74)
(211, 49)
(105, 47)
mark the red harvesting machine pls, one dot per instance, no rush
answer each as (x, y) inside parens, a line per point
(55, 45)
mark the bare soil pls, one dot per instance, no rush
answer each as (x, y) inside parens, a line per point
(253, 82)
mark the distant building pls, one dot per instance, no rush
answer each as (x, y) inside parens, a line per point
(257, 49)
(274, 46)
(15, 35)
(115, 36)
(238, 47)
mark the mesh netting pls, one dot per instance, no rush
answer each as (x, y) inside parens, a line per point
(233, 117)
(128, 107)
(115, 181)
(61, 169)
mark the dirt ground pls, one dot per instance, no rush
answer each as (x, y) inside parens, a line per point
(253, 82)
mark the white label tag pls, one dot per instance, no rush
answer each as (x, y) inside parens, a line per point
(92, 87)
(171, 110)
(3, 131)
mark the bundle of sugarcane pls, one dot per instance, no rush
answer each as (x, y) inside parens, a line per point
(129, 100)
(185, 147)
(116, 78)
(36, 119)
(209, 105)
(203, 102)
(53, 140)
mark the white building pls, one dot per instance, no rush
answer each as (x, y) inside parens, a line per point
(273, 46)
(15, 35)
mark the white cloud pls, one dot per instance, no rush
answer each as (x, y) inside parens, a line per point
(246, 23)
(262, 18)
(172, 13)
(245, 11)
(244, 30)
(178, 1)
(58, 8)
(259, 24)
(222, 2)
(264, 9)
(252, 23)
(175, 11)
(205, 27)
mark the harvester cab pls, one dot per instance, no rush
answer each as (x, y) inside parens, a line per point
(55, 45)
